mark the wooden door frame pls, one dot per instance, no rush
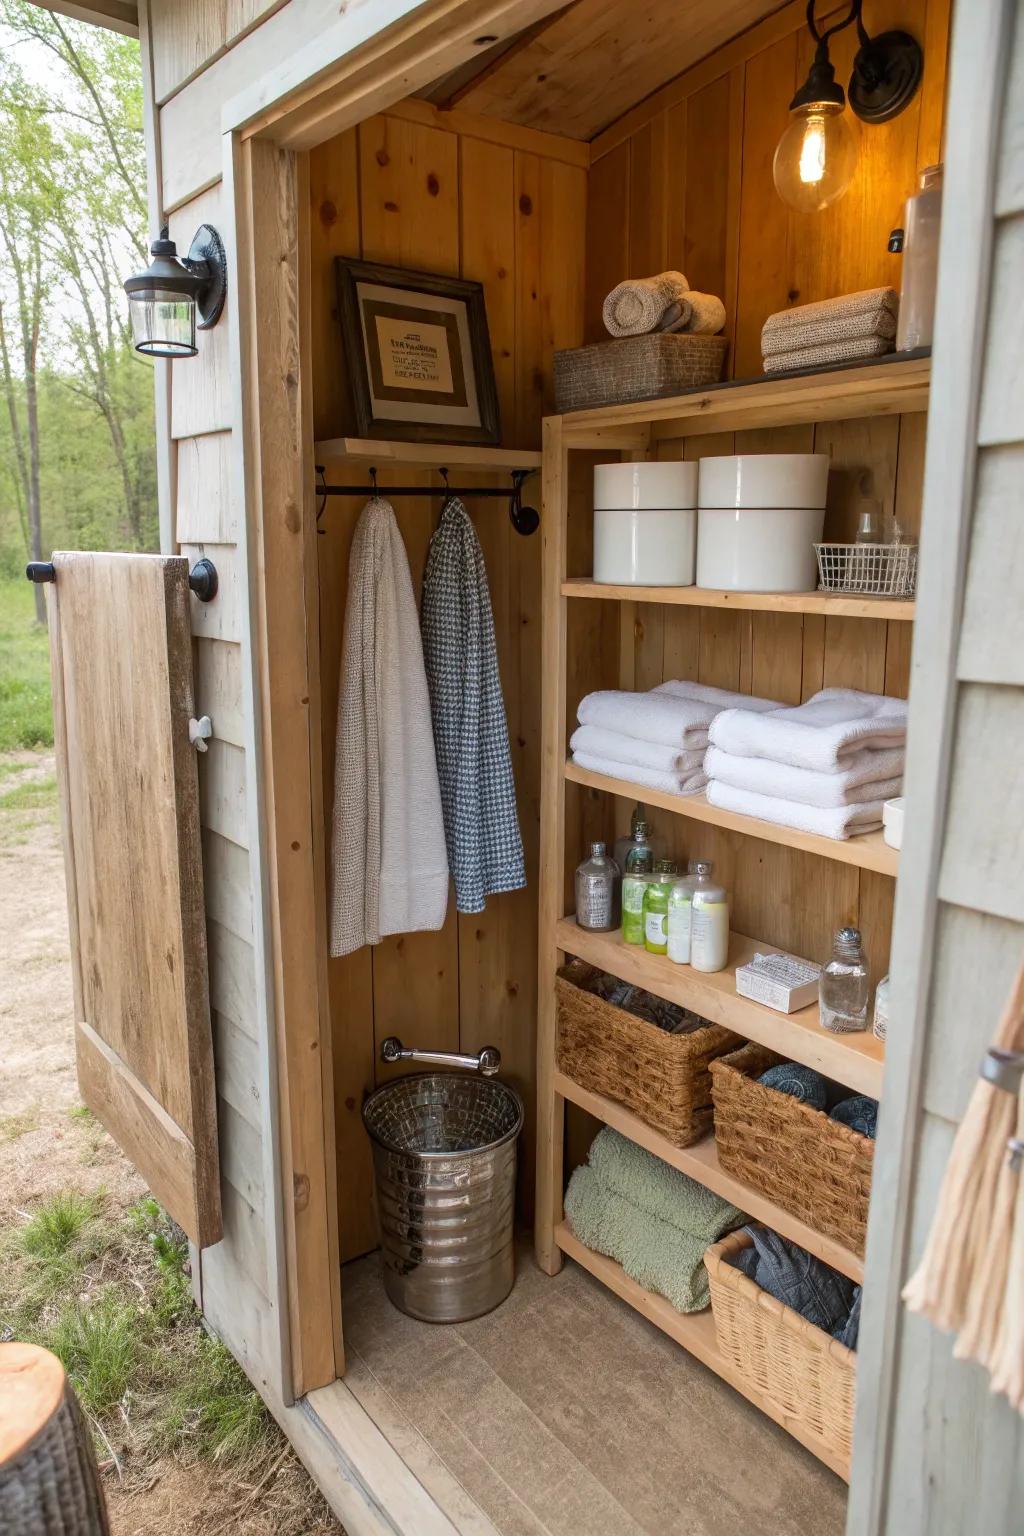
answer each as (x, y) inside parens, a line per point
(373, 57)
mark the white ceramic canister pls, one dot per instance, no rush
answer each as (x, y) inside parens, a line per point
(760, 517)
(645, 524)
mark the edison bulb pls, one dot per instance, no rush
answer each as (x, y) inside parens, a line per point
(816, 157)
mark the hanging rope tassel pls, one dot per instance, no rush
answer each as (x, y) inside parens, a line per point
(961, 1280)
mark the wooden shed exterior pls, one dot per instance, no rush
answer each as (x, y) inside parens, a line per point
(486, 139)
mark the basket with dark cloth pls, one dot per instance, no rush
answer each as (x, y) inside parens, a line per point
(637, 368)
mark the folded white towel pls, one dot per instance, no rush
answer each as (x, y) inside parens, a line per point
(867, 776)
(597, 742)
(821, 734)
(676, 714)
(638, 305)
(839, 821)
(687, 782)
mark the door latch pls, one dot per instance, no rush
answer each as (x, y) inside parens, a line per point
(200, 731)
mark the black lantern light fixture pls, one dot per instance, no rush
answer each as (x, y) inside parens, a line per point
(163, 299)
(817, 155)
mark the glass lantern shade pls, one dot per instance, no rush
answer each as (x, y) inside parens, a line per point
(816, 157)
(163, 322)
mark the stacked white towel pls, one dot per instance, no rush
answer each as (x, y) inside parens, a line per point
(826, 766)
(659, 738)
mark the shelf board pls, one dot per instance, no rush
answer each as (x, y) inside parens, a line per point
(836, 603)
(384, 452)
(700, 1162)
(883, 388)
(855, 1060)
(868, 851)
(695, 1331)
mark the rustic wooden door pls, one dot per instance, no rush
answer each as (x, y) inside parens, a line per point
(121, 659)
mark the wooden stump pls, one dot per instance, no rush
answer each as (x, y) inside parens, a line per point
(49, 1482)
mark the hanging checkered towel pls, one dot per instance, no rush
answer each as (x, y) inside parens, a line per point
(478, 795)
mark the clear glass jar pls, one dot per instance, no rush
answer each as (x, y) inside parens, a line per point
(709, 929)
(639, 837)
(680, 913)
(843, 990)
(595, 891)
(916, 323)
(656, 908)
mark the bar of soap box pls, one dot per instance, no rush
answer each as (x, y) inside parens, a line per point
(779, 981)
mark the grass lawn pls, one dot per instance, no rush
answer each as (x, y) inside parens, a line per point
(26, 717)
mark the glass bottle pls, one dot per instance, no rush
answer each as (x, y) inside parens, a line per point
(639, 836)
(709, 929)
(880, 1025)
(680, 910)
(635, 879)
(656, 908)
(595, 891)
(920, 262)
(843, 990)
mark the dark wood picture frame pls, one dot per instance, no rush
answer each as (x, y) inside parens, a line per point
(348, 274)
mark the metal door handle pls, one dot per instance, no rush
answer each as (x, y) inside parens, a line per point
(487, 1061)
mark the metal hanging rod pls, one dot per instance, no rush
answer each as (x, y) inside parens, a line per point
(525, 520)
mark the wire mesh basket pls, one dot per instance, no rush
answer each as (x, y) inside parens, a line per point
(869, 570)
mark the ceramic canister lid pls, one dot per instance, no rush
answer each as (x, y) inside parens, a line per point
(645, 486)
(764, 480)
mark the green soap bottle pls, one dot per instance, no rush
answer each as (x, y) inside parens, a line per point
(635, 879)
(656, 908)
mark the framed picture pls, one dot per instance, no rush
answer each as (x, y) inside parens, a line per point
(418, 352)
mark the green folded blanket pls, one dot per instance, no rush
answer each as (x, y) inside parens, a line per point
(654, 1220)
(645, 1181)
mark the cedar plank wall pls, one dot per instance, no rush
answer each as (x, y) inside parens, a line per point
(684, 181)
(234, 1275)
(399, 189)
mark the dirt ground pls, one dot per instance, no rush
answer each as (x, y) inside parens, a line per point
(44, 1148)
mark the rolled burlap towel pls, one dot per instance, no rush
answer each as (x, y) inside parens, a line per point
(707, 314)
(638, 305)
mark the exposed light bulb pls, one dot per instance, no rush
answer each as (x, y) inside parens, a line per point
(816, 157)
(812, 150)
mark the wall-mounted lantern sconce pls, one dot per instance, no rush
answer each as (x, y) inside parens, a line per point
(163, 300)
(817, 155)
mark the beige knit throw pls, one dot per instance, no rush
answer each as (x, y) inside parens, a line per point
(871, 312)
(390, 866)
(639, 304)
(827, 352)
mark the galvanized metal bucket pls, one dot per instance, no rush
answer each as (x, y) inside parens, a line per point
(444, 1158)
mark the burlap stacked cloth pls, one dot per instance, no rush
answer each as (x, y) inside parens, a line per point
(857, 325)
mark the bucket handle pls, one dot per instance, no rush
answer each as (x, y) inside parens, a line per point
(487, 1061)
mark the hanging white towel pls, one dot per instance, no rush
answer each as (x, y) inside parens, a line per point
(390, 871)
(478, 793)
(616, 748)
(840, 822)
(675, 714)
(687, 782)
(867, 776)
(821, 734)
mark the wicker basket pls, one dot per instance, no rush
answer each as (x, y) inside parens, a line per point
(811, 1165)
(661, 1077)
(807, 1375)
(636, 368)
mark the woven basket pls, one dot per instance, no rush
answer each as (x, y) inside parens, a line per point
(636, 368)
(812, 1166)
(807, 1375)
(663, 1078)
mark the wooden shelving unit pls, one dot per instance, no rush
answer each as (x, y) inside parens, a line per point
(385, 451)
(895, 387)
(869, 851)
(826, 603)
(854, 1060)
